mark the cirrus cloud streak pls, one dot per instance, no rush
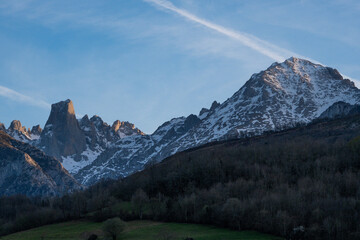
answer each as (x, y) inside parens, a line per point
(18, 97)
(270, 50)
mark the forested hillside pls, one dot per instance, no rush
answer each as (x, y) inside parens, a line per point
(301, 183)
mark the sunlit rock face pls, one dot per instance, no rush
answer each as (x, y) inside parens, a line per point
(125, 129)
(18, 131)
(16, 125)
(62, 135)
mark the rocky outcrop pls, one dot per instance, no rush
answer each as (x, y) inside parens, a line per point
(18, 131)
(204, 112)
(88, 128)
(36, 130)
(62, 135)
(214, 105)
(191, 121)
(340, 110)
(16, 125)
(125, 129)
(26, 170)
(99, 134)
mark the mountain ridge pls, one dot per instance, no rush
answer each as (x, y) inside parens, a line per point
(250, 111)
(285, 94)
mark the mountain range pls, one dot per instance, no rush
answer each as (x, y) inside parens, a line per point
(293, 92)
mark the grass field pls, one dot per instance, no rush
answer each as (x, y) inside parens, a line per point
(137, 230)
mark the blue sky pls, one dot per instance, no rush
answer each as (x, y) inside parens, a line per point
(147, 61)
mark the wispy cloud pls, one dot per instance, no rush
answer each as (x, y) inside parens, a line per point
(18, 97)
(270, 50)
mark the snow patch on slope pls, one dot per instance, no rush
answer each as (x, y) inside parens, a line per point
(87, 158)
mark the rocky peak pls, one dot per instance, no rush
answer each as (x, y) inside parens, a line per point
(85, 121)
(98, 122)
(85, 124)
(203, 111)
(95, 136)
(298, 79)
(214, 105)
(62, 111)
(191, 121)
(116, 125)
(16, 125)
(101, 126)
(64, 106)
(18, 131)
(124, 129)
(62, 135)
(36, 130)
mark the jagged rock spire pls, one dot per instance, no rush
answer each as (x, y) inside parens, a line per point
(62, 135)
(36, 130)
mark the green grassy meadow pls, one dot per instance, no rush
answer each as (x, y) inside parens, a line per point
(137, 230)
